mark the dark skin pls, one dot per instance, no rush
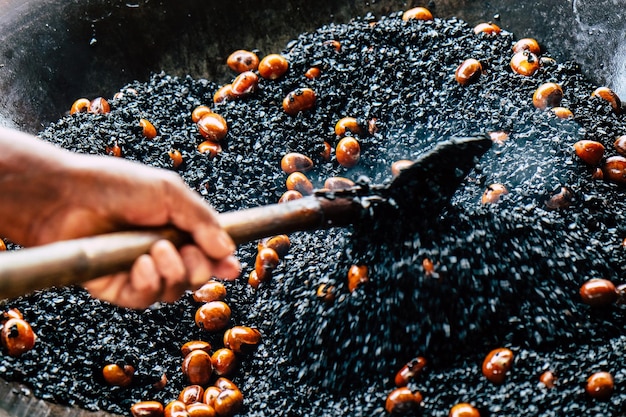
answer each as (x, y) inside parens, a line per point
(51, 194)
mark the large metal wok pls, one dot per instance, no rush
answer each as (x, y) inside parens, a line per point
(55, 51)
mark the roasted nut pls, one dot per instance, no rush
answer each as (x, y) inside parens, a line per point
(199, 112)
(493, 193)
(213, 316)
(313, 73)
(161, 383)
(399, 165)
(192, 345)
(560, 200)
(297, 181)
(419, 13)
(403, 401)
(224, 93)
(598, 292)
(499, 137)
(118, 375)
(147, 409)
(326, 293)
(99, 106)
(191, 394)
(335, 44)
(600, 386)
(209, 147)
(213, 127)
(224, 361)
(527, 44)
(357, 275)
(562, 112)
(295, 162)
(338, 183)
(280, 243)
(197, 367)
(463, 410)
(211, 291)
(114, 150)
(609, 95)
(12, 313)
(241, 338)
(409, 371)
(325, 154)
(372, 126)
(273, 66)
(348, 152)
(620, 145)
(497, 364)
(267, 260)
(348, 124)
(253, 280)
(147, 129)
(80, 106)
(176, 157)
(245, 84)
(17, 336)
(590, 151)
(547, 379)
(525, 63)
(614, 169)
(228, 402)
(175, 409)
(290, 196)
(210, 394)
(547, 95)
(299, 100)
(468, 72)
(3, 246)
(242, 61)
(488, 28)
(200, 409)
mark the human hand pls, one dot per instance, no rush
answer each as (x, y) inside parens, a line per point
(61, 195)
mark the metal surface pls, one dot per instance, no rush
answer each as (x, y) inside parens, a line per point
(55, 51)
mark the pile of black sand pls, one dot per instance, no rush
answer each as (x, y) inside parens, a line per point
(506, 274)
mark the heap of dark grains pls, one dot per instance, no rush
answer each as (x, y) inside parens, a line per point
(505, 274)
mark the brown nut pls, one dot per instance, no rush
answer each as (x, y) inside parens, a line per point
(224, 93)
(600, 386)
(17, 336)
(313, 73)
(242, 61)
(547, 95)
(118, 375)
(273, 66)
(338, 183)
(197, 367)
(201, 409)
(211, 291)
(176, 157)
(80, 106)
(295, 162)
(614, 169)
(463, 410)
(213, 127)
(245, 84)
(562, 112)
(496, 364)
(610, 96)
(191, 394)
(357, 275)
(348, 124)
(192, 345)
(199, 112)
(403, 401)
(228, 402)
(620, 145)
(525, 63)
(418, 13)
(493, 193)
(598, 292)
(409, 371)
(224, 361)
(399, 165)
(589, 151)
(488, 28)
(299, 100)
(468, 72)
(147, 409)
(548, 379)
(213, 316)
(175, 409)
(241, 338)
(527, 44)
(290, 196)
(147, 129)
(297, 181)
(348, 152)
(280, 243)
(267, 260)
(99, 106)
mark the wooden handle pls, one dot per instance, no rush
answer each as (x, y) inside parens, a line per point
(75, 261)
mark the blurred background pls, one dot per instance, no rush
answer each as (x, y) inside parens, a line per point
(55, 51)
